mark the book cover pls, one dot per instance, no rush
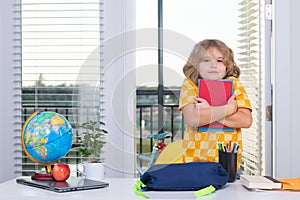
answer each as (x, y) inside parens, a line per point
(290, 183)
(260, 182)
(216, 93)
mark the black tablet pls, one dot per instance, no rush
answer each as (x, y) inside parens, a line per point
(72, 184)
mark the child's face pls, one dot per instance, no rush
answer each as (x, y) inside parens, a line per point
(212, 66)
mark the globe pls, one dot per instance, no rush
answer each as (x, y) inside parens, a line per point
(46, 138)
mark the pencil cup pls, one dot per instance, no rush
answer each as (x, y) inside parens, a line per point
(228, 160)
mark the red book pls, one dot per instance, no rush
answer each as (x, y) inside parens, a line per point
(216, 93)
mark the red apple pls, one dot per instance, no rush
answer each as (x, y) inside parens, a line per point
(61, 172)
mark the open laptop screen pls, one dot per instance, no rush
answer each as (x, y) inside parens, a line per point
(72, 184)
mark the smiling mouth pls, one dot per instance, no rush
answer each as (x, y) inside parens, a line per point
(213, 72)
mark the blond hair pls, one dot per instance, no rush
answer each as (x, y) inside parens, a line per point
(199, 53)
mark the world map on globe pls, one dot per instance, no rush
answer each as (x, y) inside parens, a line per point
(46, 137)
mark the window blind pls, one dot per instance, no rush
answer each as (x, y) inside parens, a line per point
(249, 62)
(58, 65)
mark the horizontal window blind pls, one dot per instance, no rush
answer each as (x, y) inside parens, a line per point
(249, 62)
(59, 64)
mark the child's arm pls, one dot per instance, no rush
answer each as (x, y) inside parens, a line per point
(200, 114)
(240, 119)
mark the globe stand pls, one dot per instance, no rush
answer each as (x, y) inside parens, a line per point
(43, 176)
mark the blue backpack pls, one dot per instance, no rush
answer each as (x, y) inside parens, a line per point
(184, 176)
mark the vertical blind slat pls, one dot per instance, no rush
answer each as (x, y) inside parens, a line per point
(250, 66)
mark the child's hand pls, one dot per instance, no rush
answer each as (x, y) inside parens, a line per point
(232, 104)
(200, 103)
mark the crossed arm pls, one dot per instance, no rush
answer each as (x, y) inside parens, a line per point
(201, 113)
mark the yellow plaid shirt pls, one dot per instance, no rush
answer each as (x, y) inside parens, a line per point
(202, 146)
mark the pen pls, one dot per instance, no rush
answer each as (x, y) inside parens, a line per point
(236, 148)
(219, 146)
(233, 147)
(226, 149)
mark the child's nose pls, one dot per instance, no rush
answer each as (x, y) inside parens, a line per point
(214, 63)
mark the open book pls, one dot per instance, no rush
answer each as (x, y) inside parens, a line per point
(216, 93)
(260, 182)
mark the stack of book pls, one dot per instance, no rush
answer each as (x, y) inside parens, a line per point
(260, 182)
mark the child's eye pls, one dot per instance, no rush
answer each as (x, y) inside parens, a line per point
(219, 60)
(206, 60)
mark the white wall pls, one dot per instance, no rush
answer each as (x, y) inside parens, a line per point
(286, 130)
(6, 91)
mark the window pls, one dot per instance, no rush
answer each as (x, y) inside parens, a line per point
(237, 23)
(59, 43)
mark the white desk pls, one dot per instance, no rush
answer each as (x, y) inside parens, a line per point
(123, 189)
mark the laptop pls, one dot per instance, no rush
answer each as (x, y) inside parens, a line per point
(72, 184)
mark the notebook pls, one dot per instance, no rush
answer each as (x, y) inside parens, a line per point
(260, 182)
(216, 93)
(72, 184)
